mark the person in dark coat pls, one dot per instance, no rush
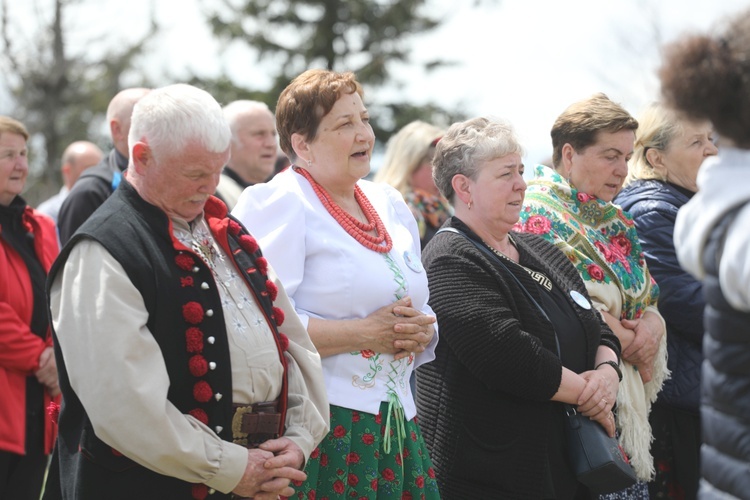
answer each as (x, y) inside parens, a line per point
(668, 152)
(97, 183)
(708, 78)
(491, 402)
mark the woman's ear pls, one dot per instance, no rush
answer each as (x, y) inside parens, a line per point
(656, 160)
(566, 160)
(301, 147)
(462, 187)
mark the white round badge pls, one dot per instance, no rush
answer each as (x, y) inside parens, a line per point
(580, 299)
(413, 262)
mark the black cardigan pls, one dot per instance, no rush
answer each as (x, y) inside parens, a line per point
(484, 403)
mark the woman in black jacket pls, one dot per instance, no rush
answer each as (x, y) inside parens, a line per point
(662, 175)
(490, 404)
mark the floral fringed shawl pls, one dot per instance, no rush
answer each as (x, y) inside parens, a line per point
(600, 240)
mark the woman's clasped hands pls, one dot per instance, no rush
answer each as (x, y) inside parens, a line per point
(398, 329)
(598, 396)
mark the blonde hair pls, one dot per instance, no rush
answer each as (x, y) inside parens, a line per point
(658, 126)
(405, 152)
(10, 126)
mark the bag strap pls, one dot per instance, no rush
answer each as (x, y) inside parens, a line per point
(569, 409)
(497, 259)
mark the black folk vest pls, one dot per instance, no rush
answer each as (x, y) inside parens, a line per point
(186, 318)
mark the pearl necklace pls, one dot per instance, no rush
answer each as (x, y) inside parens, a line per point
(356, 229)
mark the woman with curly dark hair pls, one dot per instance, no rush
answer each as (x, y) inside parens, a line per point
(708, 77)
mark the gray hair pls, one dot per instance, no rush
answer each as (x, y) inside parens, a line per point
(468, 144)
(169, 118)
(235, 109)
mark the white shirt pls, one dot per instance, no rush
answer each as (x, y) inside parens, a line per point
(329, 275)
(52, 205)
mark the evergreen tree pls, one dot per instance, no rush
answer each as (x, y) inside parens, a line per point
(368, 37)
(58, 95)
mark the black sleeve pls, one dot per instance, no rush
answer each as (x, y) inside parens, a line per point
(87, 195)
(477, 319)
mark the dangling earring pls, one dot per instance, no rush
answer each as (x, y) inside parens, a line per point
(469, 204)
(309, 164)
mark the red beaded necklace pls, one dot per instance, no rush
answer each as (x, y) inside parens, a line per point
(356, 229)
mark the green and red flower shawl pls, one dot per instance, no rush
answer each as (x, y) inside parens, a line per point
(598, 237)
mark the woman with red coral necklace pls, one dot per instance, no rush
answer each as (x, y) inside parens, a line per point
(571, 206)
(348, 253)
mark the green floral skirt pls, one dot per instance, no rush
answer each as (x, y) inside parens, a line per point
(351, 461)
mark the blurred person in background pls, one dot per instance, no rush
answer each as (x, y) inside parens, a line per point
(408, 168)
(669, 150)
(253, 150)
(28, 374)
(707, 77)
(571, 206)
(96, 184)
(348, 253)
(76, 158)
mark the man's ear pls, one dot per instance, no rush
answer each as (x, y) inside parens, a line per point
(65, 170)
(141, 157)
(115, 129)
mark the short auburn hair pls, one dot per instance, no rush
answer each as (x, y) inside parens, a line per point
(306, 100)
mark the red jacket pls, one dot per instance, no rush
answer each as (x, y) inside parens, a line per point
(19, 347)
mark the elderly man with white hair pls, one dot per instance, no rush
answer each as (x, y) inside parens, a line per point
(185, 370)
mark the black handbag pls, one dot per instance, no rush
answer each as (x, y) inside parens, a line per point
(597, 460)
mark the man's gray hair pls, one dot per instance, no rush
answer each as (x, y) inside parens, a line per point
(169, 118)
(235, 109)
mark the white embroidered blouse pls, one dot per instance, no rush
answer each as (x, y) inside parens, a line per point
(329, 275)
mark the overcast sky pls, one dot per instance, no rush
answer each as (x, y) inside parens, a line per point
(521, 60)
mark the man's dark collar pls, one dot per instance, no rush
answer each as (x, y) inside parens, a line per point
(120, 160)
(236, 177)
